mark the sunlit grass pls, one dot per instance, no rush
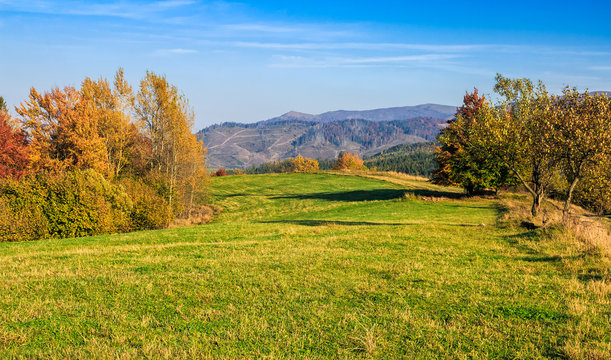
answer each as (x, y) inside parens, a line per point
(315, 266)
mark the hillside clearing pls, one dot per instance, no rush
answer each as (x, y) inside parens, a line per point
(314, 266)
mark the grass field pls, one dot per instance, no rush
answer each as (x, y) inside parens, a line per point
(310, 266)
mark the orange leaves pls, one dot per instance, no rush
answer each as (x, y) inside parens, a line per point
(348, 161)
(62, 130)
(14, 150)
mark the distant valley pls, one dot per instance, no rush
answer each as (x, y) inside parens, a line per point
(323, 136)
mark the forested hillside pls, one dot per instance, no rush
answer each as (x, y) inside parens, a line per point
(414, 159)
(235, 145)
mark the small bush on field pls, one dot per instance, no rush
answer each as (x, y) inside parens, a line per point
(220, 172)
(301, 164)
(348, 161)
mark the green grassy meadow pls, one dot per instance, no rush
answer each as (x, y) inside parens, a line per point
(310, 266)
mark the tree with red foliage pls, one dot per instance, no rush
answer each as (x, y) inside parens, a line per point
(14, 154)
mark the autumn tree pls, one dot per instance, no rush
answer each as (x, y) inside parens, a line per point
(166, 119)
(461, 158)
(301, 164)
(14, 154)
(348, 161)
(513, 133)
(593, 191)
(580, 133)
(111, 108)
(62, 130)
(220, 172)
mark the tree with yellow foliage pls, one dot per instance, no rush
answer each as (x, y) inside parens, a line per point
(111, 107)
(580, 135)
(177, 156)
(63, 131)
(348, 161)
(301, 164)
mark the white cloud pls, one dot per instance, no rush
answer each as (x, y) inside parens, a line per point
(177, 51)
(119, 9)
(358, 46)
(400, 59)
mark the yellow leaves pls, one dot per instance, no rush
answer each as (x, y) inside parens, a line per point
(301, 164)
(62, 131)
(348, 161)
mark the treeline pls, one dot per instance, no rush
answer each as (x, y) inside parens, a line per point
(296, 164)
(549, 144)
(98, 159)
(344, 161)
(413, 159)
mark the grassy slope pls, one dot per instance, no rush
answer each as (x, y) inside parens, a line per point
(304, 265)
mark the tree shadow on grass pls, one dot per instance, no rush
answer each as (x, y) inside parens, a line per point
(232, 195)
(356, 195)
(435, 193)
(330, 222)
(349, 223)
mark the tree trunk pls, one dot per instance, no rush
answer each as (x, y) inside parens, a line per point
(569, 196)
(537, 198)
(536, 191)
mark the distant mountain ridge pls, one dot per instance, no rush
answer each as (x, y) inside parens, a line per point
(323, 136)
(383, 114)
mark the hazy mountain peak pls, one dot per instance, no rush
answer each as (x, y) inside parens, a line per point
(382, 114)
(325, 135)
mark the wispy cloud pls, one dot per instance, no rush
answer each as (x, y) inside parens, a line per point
(600, 68)
(177, 51)
(260, 28)
(400, 59)
(312, 62)
(359, 46)
(119, 9)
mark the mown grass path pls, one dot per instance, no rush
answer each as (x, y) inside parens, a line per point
(304, 265)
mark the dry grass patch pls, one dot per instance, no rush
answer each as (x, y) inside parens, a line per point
(198, 216)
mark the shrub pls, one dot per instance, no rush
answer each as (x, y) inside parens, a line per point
(348, 161)
(150, 209)
(301, 164)
(77, 203)
(220, 172)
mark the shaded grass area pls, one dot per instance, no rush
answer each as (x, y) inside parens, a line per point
(308, 266)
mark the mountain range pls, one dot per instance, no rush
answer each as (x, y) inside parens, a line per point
(322, 136)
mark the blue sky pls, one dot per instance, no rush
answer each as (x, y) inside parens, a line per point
(249, 61)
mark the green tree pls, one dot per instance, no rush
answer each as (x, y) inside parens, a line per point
(580, 133)
(514, 133)
(463, 159)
